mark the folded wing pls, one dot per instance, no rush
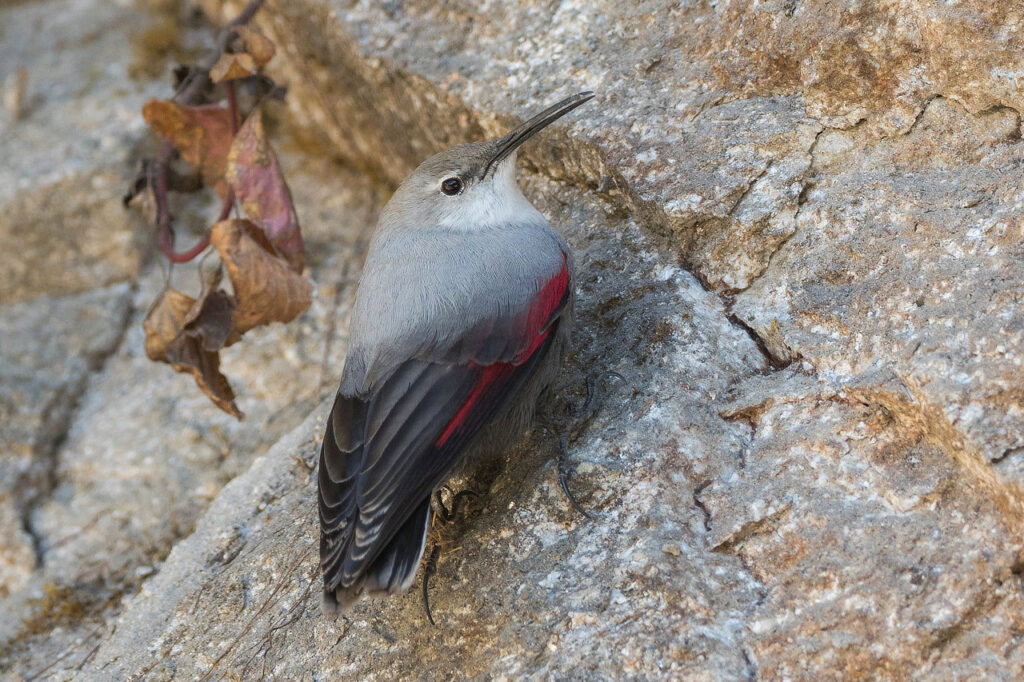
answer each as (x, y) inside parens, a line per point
(385, 452)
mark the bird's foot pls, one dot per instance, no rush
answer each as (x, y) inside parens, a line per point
(595, 396)
(444, 514)
(580, 417)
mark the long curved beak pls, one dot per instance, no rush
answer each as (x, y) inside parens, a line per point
(524, 132)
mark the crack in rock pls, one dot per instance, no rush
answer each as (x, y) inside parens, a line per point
(699, 504)
(775, 361)
(60, 414)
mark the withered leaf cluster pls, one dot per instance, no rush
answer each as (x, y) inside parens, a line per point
(263, 254)
(188, 333)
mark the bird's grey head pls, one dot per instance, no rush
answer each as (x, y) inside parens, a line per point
(472, 186)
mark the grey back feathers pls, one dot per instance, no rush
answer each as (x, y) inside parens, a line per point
(423, 289)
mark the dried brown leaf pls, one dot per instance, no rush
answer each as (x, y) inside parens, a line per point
(233, 66)
(187, 333)
(266, 288)
(256, 44)
(187, 355)
(165, 321)
(201, 134)
(255, 174)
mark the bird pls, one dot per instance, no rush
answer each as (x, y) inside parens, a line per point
(462, 316)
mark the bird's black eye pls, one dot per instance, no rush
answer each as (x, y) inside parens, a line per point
(451, 186)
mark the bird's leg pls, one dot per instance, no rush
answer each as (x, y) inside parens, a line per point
(444, 515)
(579, 419)
(428, 572)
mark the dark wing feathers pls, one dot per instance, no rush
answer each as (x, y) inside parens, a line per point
(385, 453)
(395, 566)
(340, 462)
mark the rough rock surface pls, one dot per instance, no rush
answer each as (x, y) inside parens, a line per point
(47, 355)
(799, 229)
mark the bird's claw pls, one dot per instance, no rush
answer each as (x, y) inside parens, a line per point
(444, 515)
(428, 572)
(442, 512)
(563, 474)
(580, 417)
(594, 395)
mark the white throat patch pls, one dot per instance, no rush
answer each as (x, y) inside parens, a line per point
(491, 203)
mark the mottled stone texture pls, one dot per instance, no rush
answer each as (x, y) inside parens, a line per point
(799, 230)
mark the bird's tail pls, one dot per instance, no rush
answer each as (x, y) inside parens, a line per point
(393, 571)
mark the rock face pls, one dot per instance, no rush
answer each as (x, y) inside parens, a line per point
(799, 232)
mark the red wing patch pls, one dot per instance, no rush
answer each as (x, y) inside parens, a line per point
(490, 374)
(546, 303)
(538, 320)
